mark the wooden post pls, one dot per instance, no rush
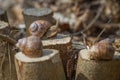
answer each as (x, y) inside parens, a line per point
(3, 15)
(98, 70)
(47, 67)
(33, 14)
(63, 44)
(7, 66)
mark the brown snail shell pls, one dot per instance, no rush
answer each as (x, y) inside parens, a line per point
(102, 50)
(39, 27)
(30, 46)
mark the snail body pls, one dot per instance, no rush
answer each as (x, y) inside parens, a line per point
(52, 31)
(31, 46)
(39, 28)
(102, 50)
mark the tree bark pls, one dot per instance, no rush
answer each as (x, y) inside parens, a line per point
(98, 70)
(63, 44)
(47, 67)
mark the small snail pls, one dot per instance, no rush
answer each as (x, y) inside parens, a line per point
(39, 28)
(102, 50)
(43, 29)
(30, 46)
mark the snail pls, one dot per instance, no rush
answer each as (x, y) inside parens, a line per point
(43, 29)
(39, 28)
(31, 46)
(103, 50)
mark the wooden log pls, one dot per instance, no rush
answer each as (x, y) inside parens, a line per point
(33, 14)
(63, 44)
(98, 70)
(3, 15)
(47, 67)
(7, 66)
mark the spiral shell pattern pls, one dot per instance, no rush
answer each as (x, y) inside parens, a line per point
(31, 46)
(38, 28)
(102, 50)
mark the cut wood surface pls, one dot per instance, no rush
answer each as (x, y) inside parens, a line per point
(63, 44)
(98, 70)
(33, 14)
(47, 67)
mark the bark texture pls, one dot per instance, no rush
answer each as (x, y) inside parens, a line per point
(98, 70)
(47, 67)
(63, 44)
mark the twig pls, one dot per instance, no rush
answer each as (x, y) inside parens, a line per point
(3, 43)
(99, 36)
(8, 39)
(2, 61)
(84, 38)
(93, 21)
(107, 25)
(1, 65)
(10, 66)
(82, 19)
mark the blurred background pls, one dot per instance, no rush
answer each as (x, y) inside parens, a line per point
(85, 20)
(90, 17)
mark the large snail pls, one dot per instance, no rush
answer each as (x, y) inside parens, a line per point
(43, 29)
(30, 46)
(102, 50)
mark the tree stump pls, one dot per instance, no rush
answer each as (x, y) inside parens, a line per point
(3, 15)
(47, 67)
(98, 70)
(76, 46)
(33, 14)
(7, 66)
(63, 44)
